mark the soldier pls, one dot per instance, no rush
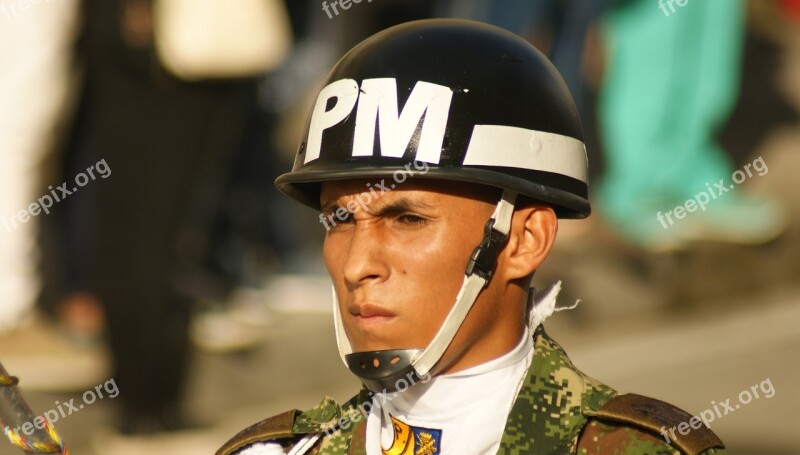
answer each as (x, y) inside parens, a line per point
(441, 154)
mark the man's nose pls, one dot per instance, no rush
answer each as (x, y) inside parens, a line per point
(365, 260)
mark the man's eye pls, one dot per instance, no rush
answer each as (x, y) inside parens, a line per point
(410, 219)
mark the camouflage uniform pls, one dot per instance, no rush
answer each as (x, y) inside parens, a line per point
(559, 410)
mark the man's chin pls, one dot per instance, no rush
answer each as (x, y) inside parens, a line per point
(373, 347)
(381, 340)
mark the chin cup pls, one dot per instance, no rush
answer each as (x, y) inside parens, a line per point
(384, 370)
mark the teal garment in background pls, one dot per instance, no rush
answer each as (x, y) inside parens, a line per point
(672, 79)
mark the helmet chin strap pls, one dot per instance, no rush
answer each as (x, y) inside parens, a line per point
(390, 370)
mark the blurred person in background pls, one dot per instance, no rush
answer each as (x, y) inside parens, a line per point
(36, 86)
(672, 76)
(36, 40)
(252, 257)
(166, 113)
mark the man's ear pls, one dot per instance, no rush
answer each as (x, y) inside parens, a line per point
(533, 232)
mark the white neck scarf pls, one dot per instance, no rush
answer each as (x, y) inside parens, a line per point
(463, 412)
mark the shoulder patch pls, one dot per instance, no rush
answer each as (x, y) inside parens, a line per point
(660, 417)
(277, 427)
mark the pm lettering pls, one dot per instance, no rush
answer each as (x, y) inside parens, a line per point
(378, 107)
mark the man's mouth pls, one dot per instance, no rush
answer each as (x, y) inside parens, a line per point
(369, 310)
(369, 315)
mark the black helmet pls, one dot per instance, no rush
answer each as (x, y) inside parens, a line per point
(475, 102)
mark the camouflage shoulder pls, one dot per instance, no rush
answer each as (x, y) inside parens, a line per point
(346, 434)
(288, 428)
(554, 403)
(274, 429)
(633, 424)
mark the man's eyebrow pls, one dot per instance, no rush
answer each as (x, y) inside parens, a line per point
(401, 204)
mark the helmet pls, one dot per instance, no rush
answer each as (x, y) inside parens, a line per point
(479, 104)
(472, 102)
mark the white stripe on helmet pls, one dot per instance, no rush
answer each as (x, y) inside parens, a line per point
(508, 146)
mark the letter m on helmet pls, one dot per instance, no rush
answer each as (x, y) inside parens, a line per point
(378, 107)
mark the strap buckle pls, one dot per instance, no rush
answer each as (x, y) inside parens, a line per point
(484, 258)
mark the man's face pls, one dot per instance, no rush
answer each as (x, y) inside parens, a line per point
(398, 265)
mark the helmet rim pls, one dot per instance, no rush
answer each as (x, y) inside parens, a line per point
(299, 185)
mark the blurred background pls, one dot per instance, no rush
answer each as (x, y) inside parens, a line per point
(183, 275)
